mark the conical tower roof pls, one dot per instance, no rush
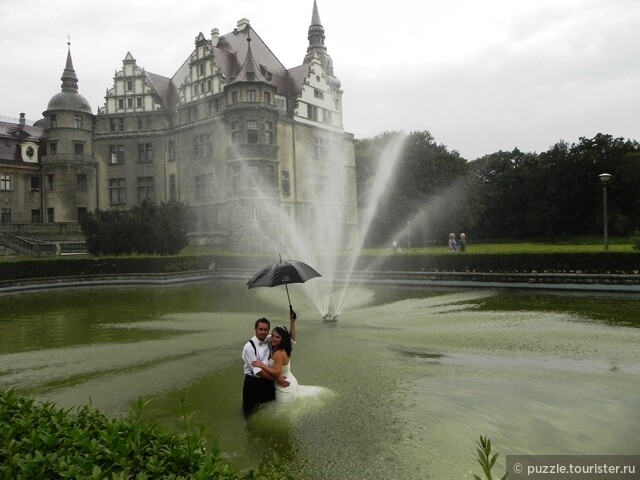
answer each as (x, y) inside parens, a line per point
(250, 71)
(69, 98)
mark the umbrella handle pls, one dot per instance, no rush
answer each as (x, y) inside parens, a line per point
(288, 298)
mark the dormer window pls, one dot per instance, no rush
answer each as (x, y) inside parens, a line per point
(318, 94)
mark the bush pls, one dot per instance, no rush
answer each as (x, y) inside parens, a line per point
(41, 441)
(145, 229)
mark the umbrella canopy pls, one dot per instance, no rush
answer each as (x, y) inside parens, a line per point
(283, 272)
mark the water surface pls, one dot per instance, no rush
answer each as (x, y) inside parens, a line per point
(413, 376)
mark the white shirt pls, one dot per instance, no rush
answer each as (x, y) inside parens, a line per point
(262, 353)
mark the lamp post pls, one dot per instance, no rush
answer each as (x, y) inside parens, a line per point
(408, 234)
(604, 178)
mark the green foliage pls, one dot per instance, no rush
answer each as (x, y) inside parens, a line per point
(507, 194)
(485, 459)
(635, 240)
(145, 229)
(41, 441)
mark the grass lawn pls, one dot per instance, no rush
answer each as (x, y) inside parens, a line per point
(572, 245)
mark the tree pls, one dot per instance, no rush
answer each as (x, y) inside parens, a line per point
(146, 229)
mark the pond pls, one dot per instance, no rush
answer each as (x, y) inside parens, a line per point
(411, 377)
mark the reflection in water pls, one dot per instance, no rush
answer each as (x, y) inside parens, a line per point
(413, 377)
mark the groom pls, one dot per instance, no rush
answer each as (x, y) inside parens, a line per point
(258, 385)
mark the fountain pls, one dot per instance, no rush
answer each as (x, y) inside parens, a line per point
(323, 241)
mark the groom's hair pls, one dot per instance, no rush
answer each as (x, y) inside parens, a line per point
(262, 320)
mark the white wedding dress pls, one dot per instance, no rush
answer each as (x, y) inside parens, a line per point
(290, 393)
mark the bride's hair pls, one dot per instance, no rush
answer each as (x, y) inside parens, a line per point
(285, 343)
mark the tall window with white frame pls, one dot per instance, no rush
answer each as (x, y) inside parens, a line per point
(5, 216)
(145, 189)
(252, 131)
(117, 191)
(5, 182)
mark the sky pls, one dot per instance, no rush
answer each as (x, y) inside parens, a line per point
(480, 76)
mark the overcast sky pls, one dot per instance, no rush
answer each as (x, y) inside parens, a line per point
(481, 76)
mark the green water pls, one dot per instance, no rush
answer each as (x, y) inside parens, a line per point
(410, 377)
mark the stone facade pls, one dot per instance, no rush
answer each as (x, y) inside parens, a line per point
(249, 145)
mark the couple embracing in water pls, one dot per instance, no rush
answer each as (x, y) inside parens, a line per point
(267, 373)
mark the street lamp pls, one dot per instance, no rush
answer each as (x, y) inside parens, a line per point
(604, 178)
(408, 234)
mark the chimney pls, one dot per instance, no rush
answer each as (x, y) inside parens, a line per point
(23, 121)
(215, 37)
(243, 23)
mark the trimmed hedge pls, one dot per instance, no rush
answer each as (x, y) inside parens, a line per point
(587, 263)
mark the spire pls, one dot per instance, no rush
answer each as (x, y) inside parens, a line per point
(317, 49)
(69, 78)
(316, 38)
(250, 71)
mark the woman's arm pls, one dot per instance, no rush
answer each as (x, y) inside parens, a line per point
(292, 325)
(274, 371)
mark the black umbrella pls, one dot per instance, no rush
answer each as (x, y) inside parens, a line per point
(283, 272)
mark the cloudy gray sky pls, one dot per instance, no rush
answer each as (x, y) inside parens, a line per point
(481, 76)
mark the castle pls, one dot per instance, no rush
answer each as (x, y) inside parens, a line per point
(245, 142)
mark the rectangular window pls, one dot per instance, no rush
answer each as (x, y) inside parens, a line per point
(252, 131)
(116, 154)
(204, 185)
(78, 148)
(312, 112)
(129, 85)
(121, 124)
(50, 183)
(234, 97)
(318, 94)
(270, 179)
(268, 133)
(149, 123)
(129, 102)
(53, 148)
(195, 89)
(235, 132)
(117, 191)
(145, 189)
(121, 104)
(214, 106)
(35, 215)
(286, 186)
(172, 150)
(139, 102)
(77, 121)
(81, 183)
(145, 153)
(5, 216)
(251, 95)
(201, 69)
(173, 189)
(267, 98)
(35, 183)
(208, 85)
(112, 125)
(54, 121)
(327, 116)
(5, 182)
(50, 215)
(319, 148)
(140, 123)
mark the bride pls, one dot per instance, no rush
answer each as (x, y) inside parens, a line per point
(280, 363)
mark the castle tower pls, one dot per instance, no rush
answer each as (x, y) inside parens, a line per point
(251, 117)
(69, 168)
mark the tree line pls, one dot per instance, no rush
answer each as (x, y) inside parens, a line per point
(432, 191)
